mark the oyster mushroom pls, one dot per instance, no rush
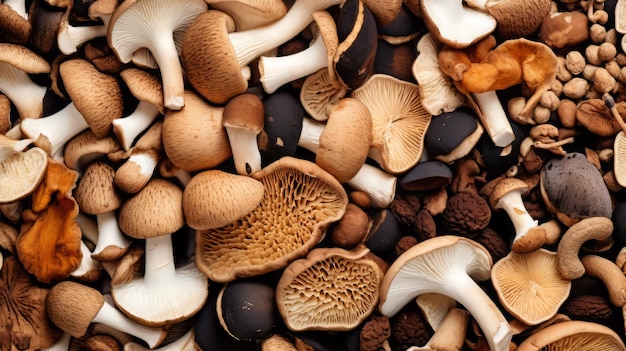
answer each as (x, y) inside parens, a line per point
(448, 265)
(575, 335)
(330, 289)
(320, 92)
(15, 26)
(248, 247)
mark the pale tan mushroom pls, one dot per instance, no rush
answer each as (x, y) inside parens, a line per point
(21, 173)
(573, 335)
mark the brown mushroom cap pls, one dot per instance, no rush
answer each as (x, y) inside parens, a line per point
(84, 302)
(244, 111)
(330, 289)
(144, 86)
(95, 192)
(509, 15)
(214, 198)
(296, 191)
(249, 14)
(156, 210)
(23, 58)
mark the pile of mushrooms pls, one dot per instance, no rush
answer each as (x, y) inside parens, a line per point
(312, 175)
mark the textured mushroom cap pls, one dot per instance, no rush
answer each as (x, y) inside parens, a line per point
(572, 189)
(505, 186)
(209, 58)
(562, 29)
(215, 198)
(518, 18)
(14, 27)
(95, 192)
(426, 175)
(330, 289)
(97, 96)
(85, 147)
(144, 86)
(399, 121)
(156, 210)
(249, 14)
(530, 286)
(573, 335)
(72, 306)
(23, 58)
(320, 92)
(21, 173)
(466, 212)
(296, 191)
(245, 111)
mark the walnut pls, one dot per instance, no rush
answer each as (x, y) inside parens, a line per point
(404, 208)
(425, 227)
(405, 243)
(409, 328)
(465, 213)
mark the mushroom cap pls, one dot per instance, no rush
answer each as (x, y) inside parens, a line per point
(264, 240)
(95, 192)
(343, 154)
(572, 189)
(505, 186)
(246, 309)
(14, 28)
(82, 149)
(214, 198)
(244, 111)
(21, 173)
(563, 29)
(154, 211)
(23, 58)
(426, 175)
(209, 58)
(619, 158)
(282, 127)
(451, 135)
(97, 96)
(529, 285)
(595, 116)
(330, 289)
(573, 335)
(72, 306)
(399, 121)
(249, 14)
(320, 92)
(144, 86)
(517, 18)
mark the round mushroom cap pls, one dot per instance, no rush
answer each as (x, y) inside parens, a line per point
(573, 335)
(214, 198)
(426, 175)
(508, 15)
(72, 306)
(95, 192)
(23, 58)
(572, 189)
(448, 131)
(21, 173)
(282, 127)
(245, 111)
(246, 309)
(296, 192)
(154, 211)
(505, 186)
(330, 289)
(530, 286)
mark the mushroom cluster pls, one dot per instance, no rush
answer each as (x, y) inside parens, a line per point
(312, 175)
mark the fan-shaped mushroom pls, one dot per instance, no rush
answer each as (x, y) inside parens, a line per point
(573, 335)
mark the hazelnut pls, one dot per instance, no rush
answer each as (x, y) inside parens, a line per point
(603, 82)
(541, 114)
(575, 62)
(606, 51)
(576, 88)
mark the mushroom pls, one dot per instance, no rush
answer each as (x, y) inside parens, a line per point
(21, 173)
(466, 214)
(296, 191)
(508, 13)
(88, 90)
(159, 20)
(15, 26)
(249, 14)
(148, 90)
(96, 195)
(16, 63)
(86, 147)
(426, 175)
(282, 127)
(448, 265)
(243, 119)
(450, 335)
(25, 324)
(530, 286)
(70, 37)
(154, 214)
(214, 198)
(399, 121)
(562, 29)
(610, 274)
(507, 195)
(208, 43)
(575, 335)
(330, 289)
(452, 135)
(73, 307)
(320, 92)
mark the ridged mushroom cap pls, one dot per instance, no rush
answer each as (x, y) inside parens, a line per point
(95, 192)
(156, 210)
(72, 306)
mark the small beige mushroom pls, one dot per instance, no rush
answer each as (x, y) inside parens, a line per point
(243, 119)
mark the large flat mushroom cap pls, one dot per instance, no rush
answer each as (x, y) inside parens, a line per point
(21, 173)
(301, 200)
(573, 335)
(330, 289)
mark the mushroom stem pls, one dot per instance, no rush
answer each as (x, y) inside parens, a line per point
(137, 170)
(166, 56)
(26, 95)
(70, 38)
(87, 263)
(127, 129)
(310, 135)
(610, 103)
(111, 316)
(513, 204)
(159, 261)
(493, 118)
(252, 43)
(277, 71)
(59, 128)
(18, 6)
(10, 146)
(109, 236)
(245, 150)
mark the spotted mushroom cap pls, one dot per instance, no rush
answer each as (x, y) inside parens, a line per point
(330, 289)
(296, 192)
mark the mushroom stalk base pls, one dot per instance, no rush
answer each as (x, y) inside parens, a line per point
(245, 149)
(109, 234)
(522, 221)
(127, 129)
(493, 118)
(159, 258)
(110, 316)
(22, 91)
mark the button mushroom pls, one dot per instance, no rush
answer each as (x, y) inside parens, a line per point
(243, 120)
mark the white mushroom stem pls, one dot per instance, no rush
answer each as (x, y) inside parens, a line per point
(87, 263)
(26, 95)
(18, 6)
(513, 204)
(137, 170)
(245, 150)
(109, 233)
(59, 128)
(159, 261)
(70, 38)
(250, 44)
(379, 185)
(127, 129)
(278, 71)
(112, 317)
(493, 118)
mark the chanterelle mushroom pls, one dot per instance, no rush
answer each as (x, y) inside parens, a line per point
(447, 265)
(264, 240)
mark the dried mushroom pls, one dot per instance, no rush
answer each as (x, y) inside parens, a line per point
(296, 192)
(330, 289)
(21, 173)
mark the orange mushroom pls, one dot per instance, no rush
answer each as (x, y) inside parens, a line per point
(49, 244)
